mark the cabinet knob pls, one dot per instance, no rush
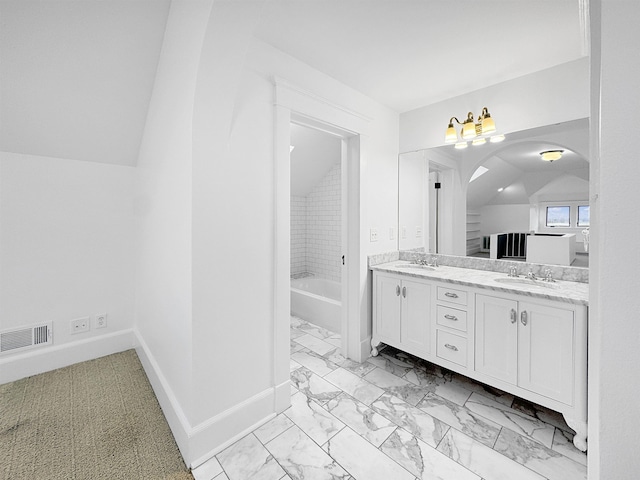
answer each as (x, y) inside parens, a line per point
(523, 318)
(513, 316)
(451, 317)
(451, 347)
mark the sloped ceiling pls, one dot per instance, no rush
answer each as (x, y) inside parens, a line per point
(76, 76)
(314, 154)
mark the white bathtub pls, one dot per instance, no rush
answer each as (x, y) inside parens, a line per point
(318, 301)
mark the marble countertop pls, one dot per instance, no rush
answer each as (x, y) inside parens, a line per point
(560, 290)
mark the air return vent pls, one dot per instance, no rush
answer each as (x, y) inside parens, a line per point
(24, 338)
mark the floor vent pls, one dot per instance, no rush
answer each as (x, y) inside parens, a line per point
(18, 340)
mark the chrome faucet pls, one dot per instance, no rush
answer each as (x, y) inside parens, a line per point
(531, 275)
(434, 260)
(513, 272)
(547, 276)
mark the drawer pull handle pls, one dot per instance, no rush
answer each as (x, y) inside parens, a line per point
(513, 316)
(404, 292)
(451, 347)
(523, 318)
(451, 317)
(451, 295)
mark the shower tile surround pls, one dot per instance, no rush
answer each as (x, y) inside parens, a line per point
(316, 229)
(328, 433)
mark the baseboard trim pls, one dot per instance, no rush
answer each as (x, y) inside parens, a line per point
(201, 442)
(21, 365)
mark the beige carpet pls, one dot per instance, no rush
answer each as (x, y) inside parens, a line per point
(94, 420)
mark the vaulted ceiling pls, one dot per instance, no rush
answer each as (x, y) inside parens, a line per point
(76, 76)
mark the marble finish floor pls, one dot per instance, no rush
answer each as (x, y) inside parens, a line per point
(395, 417)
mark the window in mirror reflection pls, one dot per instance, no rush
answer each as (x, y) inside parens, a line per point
(583, 215)
(558, 216)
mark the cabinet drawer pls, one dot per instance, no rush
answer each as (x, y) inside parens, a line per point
(452, 295)
(451, 317)
(451, 347)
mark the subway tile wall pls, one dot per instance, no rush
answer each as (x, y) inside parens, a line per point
(321, 230)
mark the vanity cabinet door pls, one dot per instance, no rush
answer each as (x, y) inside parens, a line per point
(415, 326)
(387, 313)
(547, 349)
(496, 352)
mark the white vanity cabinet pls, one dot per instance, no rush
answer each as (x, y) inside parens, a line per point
(528, 344)
(402, 315)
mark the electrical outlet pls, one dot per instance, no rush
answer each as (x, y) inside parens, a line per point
(80, 325)
(101, 320)
(373, 235)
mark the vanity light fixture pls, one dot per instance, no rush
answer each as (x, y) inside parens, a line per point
(472, 130)
(551, 155)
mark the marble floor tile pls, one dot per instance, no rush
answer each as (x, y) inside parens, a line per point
(363, 420)
(273, 428)
(316, 331)
(512, 419)
(391, 364)
(484, 390)
(303, 459)
(222, 476)
(313, 386)
(247, 459)
(482, 460)
(295, 333)
(294, 390)
(208, 470)
(427, 428)
(355, 386)
(539, 458)
(563, 443)
(395, 385)
(293, 365)
(541, 413)
(334, 356)
(295, 346)
(362, 460)
(483, 430)
(334, 339)
(315, 421)
(314, 362)
(295, 322)
(359, 369)
(314, 343)
(440, 385)
(424, 461)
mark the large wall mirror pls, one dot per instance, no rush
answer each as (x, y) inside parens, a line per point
(500, 200)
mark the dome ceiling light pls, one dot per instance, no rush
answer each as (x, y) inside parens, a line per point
(477, 132)
(551, 155)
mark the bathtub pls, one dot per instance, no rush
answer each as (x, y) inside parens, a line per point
(318, 301)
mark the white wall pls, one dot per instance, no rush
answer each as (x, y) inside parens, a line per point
(504, 218)
(614, 332)
(164, 222)
(66, 251)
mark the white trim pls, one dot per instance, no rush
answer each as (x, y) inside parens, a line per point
(41, 360)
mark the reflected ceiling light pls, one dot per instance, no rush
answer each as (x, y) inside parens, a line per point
(496, 138)
(500, 189)
(472, 129)
(291, 147)
(551, 155)
(461, 145)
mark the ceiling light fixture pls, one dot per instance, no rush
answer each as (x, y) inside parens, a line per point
(551, 155)
(472, 130)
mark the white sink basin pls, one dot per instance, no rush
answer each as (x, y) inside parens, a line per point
(524, 282)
